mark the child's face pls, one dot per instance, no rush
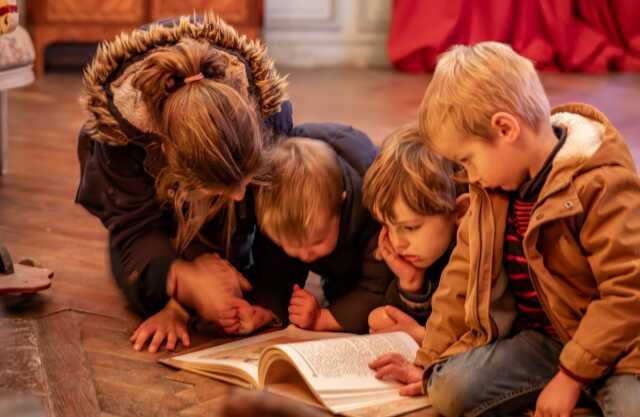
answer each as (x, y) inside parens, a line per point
(493, 163)
(419, 239)
(322, 240)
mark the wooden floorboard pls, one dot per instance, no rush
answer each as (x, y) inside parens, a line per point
(68, 348)
(70, 379)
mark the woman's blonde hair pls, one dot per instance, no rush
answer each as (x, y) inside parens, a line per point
(472, 83)
(211, 137)
(306, 185)
(407, 168)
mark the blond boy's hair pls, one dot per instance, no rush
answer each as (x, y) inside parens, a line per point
(306, 187)
(406, 167)
(472, 83)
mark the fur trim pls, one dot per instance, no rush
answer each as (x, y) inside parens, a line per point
(269, 85)
(584, 137)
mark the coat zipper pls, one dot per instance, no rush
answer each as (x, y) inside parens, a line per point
(477, 323)
(543, 300)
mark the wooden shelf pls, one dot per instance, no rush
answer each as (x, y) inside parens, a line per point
(79, 21)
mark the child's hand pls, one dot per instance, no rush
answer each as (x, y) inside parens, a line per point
(170, 323)
(392, 319)
(395, 367)
(251, 318)
(559, 397)
(303, 308)
(411, 278)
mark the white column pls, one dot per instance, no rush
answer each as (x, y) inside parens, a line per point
(322, 33)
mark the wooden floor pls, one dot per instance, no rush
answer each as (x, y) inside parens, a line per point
(69, 347)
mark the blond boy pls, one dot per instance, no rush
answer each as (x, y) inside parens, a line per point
(411, 192)
(311, 219)
(554, 220)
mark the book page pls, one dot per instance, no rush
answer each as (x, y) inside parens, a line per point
(241, 357)
(342, 364)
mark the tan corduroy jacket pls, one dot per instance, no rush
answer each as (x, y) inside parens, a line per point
(583, 248)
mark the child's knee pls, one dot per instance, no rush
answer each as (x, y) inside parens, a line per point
(450, 389)
(379, 319)
(623, 396)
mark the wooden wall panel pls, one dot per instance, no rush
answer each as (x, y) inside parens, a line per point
(95, 11)
(243, 12)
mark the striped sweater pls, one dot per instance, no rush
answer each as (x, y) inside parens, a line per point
(530, 312)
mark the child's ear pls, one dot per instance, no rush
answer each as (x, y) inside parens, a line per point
(344, 195)
(505, 126)
(462, 205)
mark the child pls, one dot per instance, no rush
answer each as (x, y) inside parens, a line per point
(410, 190)
(311, 218)
(555, 219)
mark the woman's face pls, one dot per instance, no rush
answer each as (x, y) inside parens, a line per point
(235, 194)
(239, 192)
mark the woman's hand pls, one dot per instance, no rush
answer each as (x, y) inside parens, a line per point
(252, 317)
(170, 323)
(208, 284)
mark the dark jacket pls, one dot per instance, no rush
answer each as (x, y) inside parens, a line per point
(418, 305)
(354, 282)
(117, 186)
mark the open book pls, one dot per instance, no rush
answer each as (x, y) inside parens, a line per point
(329, 370)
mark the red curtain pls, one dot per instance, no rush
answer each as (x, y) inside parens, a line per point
(567, 35)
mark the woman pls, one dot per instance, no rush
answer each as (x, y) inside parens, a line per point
(179, 116)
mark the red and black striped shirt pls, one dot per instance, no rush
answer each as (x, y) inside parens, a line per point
(530, 312)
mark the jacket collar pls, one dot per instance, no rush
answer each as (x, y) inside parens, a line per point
(592, 142)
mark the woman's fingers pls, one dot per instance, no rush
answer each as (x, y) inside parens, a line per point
(172, 338)
(183, 334)
(157, 340)
(231, 329)
(228, 322)
(245, 285)
(228, 313)
(141, 338)
(134, 335)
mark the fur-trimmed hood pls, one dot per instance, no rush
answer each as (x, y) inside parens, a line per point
(117, 114)
(592, 142)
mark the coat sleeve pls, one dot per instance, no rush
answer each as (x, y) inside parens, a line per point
(351, 310)
(610, 237)
(447, 324)
(417, 305)
(272, 276)
(282, 122)
(115, 188)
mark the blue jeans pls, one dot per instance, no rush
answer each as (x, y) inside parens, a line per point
(507, 376)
